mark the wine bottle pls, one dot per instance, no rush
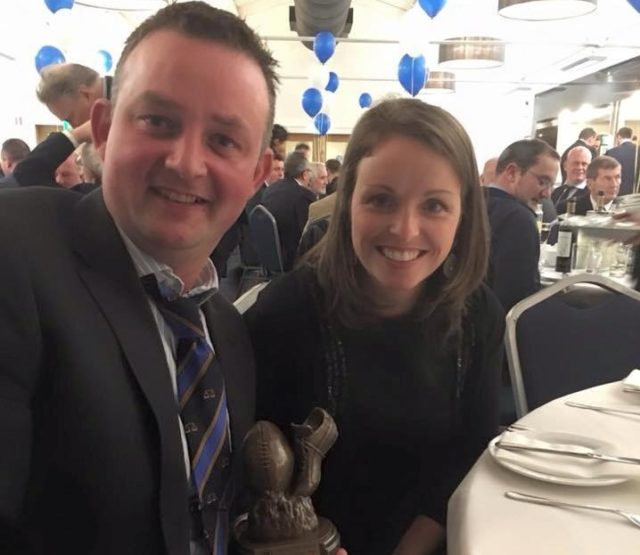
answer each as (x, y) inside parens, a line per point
(567, 236)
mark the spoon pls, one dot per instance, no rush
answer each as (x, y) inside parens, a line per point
(631, 517)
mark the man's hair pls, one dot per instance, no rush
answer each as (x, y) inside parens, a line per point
(524, 154)
(601, 163)
(198, 20)
(63, 80)
(303, 146)
(278, 133)
(14, 150)
(625, 133)
(443, 298)
(315, 169)
(278, 157)
(587, 133)
(333, 165)
(295, 164)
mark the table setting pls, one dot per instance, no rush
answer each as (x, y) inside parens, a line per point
(563, 479)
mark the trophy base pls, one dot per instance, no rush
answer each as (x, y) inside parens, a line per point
(324, 540)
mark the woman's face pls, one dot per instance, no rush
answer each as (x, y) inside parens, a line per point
(405, 211)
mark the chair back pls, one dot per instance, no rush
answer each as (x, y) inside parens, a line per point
(578, 333)
(245, 301)
(265, 238)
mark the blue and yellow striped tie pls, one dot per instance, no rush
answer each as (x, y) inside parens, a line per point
(203, 410)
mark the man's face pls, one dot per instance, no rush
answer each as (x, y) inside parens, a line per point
(576, 164)
(182, 147)
(277, 171)
(319, 183)
(534, 185)
(76, 108)
(6, 165)
(607, 181)
(68, 173)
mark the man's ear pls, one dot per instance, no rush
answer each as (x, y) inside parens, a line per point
(263, 168)
(100, 124)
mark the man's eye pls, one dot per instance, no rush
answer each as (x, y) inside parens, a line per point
(159, 123)
(221, 140)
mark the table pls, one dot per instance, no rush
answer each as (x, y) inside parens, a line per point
(482, 521)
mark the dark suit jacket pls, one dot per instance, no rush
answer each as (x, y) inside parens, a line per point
(561, 203)
(579, 142)
(628, 156)
(289, 204)
(92, 459)
(583, 205)
(515, 248)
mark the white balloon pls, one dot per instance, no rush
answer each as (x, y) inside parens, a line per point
(328, 102)
(319, 77)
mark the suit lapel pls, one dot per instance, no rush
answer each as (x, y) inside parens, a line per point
(110, 276)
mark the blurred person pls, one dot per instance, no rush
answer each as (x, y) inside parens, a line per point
(91, 165)
(488, 174)
(318, 181)
(279, 136)
(13, 151)
(99, 435)
(603, 180)
(525, 173)
(305, 149)
(575, 182)
(386, 324)
(588, 138)
(277, 170)
(333, 172)
(69, 91)
(626, 152)
(68, 174)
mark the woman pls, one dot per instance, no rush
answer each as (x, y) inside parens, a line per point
(387, 326)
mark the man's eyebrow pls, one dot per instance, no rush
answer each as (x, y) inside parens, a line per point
(157, 100)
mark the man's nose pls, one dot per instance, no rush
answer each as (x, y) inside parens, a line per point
(187, 156)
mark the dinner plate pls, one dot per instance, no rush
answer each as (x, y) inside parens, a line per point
(553, 468)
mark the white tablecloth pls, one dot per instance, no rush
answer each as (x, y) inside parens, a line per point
(482, 521)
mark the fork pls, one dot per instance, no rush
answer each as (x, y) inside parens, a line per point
(633, 518)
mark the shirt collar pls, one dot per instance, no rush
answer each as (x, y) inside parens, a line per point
(171, 286)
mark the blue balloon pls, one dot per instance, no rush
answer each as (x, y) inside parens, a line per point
(107, 60)
(635, 4)
(322, 123)
(412, 73)
(48, 55)
(332, 86)
(365, 100)
(324, 45)
(311, 101)
(55, 5)
(432, 7)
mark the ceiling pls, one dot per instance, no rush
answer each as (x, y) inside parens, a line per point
(536, 52)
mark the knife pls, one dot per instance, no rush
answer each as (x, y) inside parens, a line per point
(578, 454)
(601, 409)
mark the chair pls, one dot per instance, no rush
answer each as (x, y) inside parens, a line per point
(264, 234)
(580, 332)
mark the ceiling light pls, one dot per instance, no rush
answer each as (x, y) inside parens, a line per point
(545, 10)
(440, 82)
(471, 53)
(584, 62)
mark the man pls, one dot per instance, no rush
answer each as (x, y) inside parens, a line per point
(288, 200)
(279, 136)
(318, 181)
(68, 173)
(333, 172)
(587, 138)
(603, 181)
(13, 151)
(488, 175)
(305, 149)
(98, 456)
(277, 170)
(525, 172)
(575, 183)
(626, 152)
(69, 91)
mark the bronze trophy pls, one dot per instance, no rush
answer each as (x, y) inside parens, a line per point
(282, 520)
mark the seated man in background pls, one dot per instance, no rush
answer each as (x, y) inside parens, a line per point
(575, 183)
(333, 172)
(13, 151)
(68, 174)
(603, 180)
(525, 172)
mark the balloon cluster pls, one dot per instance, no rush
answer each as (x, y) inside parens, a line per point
(48, 54)
(317, 100)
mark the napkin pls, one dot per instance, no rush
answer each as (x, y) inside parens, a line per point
(553, 465)
(632, 381)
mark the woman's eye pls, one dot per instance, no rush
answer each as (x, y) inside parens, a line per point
(381, 201)
(434, 206)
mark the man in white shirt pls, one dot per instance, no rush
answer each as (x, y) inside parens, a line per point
(575, 166)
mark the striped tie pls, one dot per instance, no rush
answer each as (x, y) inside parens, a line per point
(203, 411)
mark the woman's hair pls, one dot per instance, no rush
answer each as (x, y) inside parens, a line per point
(341, 274)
